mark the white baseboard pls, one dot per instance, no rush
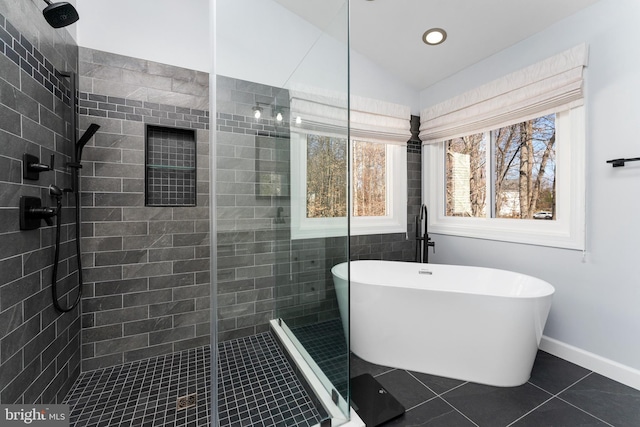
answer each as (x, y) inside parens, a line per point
(610, 369)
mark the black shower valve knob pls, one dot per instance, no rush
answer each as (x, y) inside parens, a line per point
(32, 212)
(31, 166)
(44, 213)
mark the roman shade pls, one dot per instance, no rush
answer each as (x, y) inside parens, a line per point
(549, 86)
(325, 111)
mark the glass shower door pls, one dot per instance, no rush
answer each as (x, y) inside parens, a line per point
(315, 235)
(281, 182)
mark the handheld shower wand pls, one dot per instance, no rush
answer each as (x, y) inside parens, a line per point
(54, 191)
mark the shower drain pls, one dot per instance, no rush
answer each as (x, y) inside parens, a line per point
(187, 401)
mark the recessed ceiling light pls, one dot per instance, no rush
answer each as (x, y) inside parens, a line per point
(434, 36)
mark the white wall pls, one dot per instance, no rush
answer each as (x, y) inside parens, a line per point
(166, 31)
(257, 40)
(596, 307)
(73, 28)
(597, 303)
(263, 42)
(369, 80)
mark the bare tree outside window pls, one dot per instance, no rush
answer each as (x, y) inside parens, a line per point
(525, 168)
(524, 180)
(466, 176)
(327, 179)
(369, 179)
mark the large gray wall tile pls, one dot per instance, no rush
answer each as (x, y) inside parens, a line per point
(258, 267)
(39, 347)
(145, 257)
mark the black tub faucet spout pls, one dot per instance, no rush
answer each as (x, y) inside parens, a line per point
(422, 254)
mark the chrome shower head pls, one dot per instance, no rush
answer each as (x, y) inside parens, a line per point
(60, 14)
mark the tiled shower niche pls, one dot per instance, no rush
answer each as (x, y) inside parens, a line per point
(170, 166)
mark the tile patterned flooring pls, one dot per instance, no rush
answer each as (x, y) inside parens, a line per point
(258, 387)
(256, 384)
(558, 393)
(326, 344)
(144, 393)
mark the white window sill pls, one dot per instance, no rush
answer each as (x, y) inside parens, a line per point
(532, 232)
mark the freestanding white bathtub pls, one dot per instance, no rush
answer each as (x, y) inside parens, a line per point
(470, 323)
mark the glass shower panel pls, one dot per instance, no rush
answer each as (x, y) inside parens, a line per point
(281, 180)
(316, 237)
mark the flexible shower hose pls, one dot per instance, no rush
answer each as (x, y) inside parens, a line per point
(54, 278)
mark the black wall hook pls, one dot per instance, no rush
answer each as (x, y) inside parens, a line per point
(616, 163)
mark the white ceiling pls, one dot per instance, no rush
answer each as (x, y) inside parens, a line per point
(389, 31)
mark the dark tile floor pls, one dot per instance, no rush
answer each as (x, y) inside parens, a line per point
(144, 393)
(326, 344)
(257, 387)
(558, 394)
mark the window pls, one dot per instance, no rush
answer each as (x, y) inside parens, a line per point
(522, 182)
(505, 161)
(319, 197)
(504, 173)
(378, 132)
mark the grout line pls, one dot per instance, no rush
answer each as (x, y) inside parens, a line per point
(385, 372)
(439, 396)
(577, 407)
(557, 396)
(567, 388)
(553, 396)
(421, 403)
(582, 410)
(532, 410)
(457, 410)
(434, 392)
(453, 388)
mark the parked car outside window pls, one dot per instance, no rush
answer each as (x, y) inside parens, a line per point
(543, 215)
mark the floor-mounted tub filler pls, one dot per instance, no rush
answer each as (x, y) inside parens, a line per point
(469, 323)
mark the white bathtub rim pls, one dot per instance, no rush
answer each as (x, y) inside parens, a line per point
(474, 358)
(541, 288)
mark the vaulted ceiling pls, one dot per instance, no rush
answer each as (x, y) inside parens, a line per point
(389, 32)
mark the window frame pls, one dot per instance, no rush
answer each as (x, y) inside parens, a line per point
(566, 231)
(394, 222)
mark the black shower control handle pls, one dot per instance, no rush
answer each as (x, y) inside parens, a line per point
(32, 212)
(43, 213)
(31, 166)
(41, 167)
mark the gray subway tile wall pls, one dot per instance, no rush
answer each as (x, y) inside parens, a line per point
(39, 347)
(148, 281)
(259, 266)
(146, 269)
(247, 232)
(397, 246)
